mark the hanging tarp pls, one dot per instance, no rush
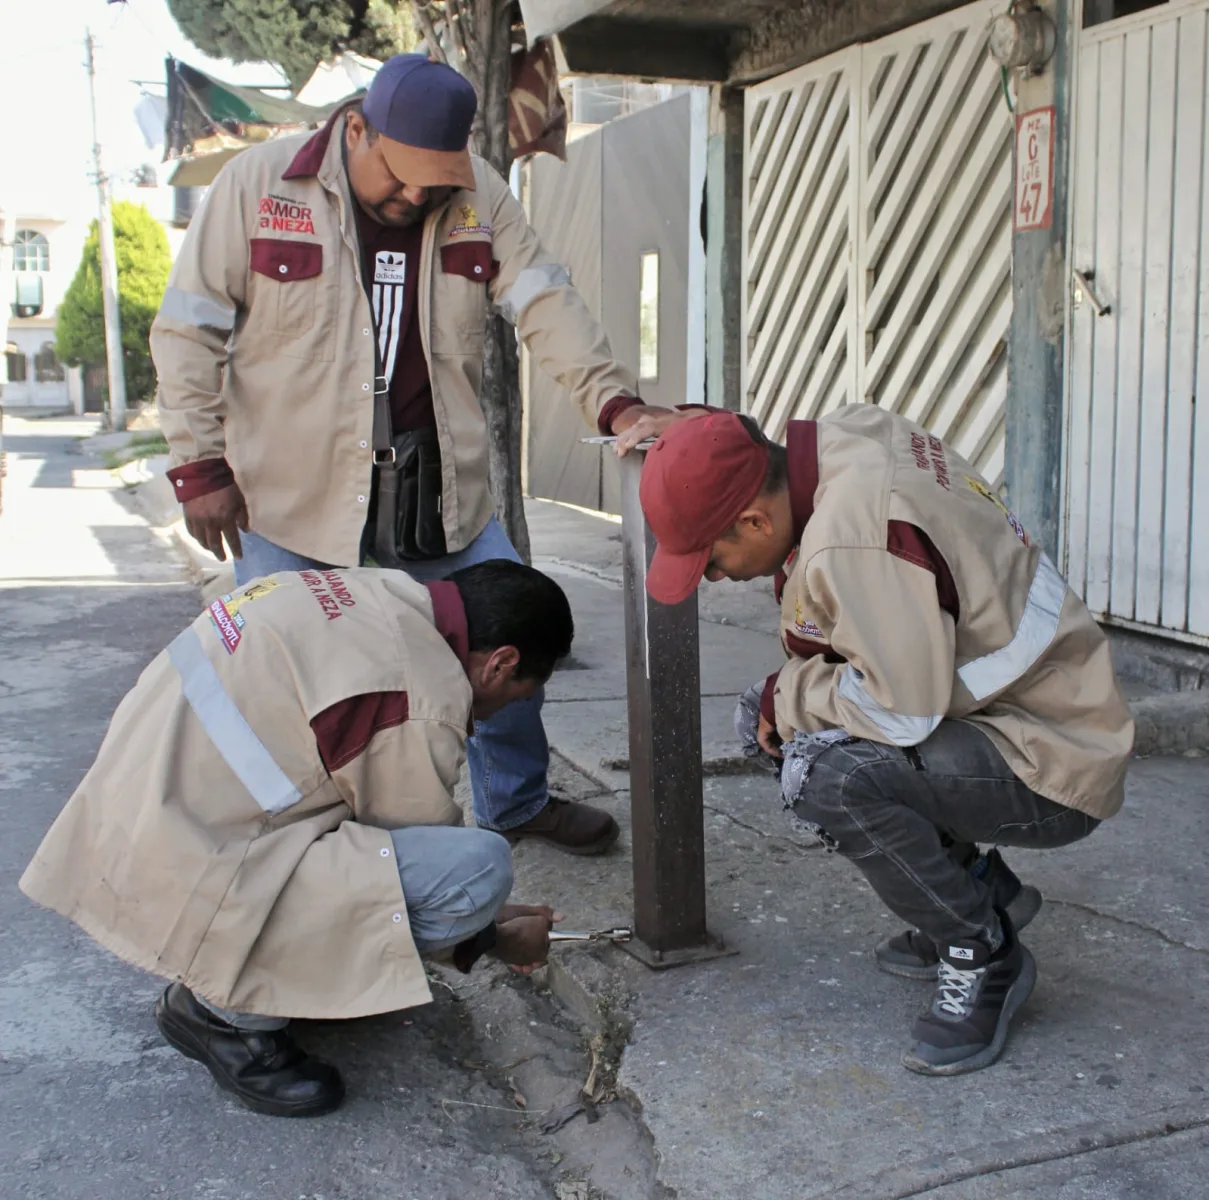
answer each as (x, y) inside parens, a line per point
(209, 122)
(537, 115)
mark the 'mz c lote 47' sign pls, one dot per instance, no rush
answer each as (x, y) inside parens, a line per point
(1034, 199)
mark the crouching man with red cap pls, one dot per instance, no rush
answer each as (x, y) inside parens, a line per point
(943, 687)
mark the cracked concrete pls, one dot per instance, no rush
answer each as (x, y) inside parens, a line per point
(1092, 910)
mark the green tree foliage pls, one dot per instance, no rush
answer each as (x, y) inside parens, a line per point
(295, 35)
(143, 261)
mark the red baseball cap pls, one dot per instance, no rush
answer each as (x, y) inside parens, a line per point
(697, 478)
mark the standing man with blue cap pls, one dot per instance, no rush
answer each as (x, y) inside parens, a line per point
(320, 350)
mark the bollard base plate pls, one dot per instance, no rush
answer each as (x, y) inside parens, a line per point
(662, 960)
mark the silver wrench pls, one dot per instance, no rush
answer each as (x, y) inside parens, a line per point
(623, 933)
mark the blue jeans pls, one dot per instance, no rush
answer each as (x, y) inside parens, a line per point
(454, 882)
(509, 755)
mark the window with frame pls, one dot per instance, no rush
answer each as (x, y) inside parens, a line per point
(1096, 12)
(31, 251)
(648, 315)
(47, 367)
(15, 361)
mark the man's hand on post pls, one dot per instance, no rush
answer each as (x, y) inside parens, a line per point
(522, 935)
(216, 515)
(634, 425)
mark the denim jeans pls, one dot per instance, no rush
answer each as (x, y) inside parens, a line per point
(454, 882)
(509, 755)
(903, 816)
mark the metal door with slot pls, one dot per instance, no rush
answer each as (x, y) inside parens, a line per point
(1136, 520)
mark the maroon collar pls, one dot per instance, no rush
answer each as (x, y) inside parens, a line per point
(309, 159)
(802, 465)
(449, 616)
(802, 455)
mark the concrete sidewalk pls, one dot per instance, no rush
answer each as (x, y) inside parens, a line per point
(775, 1073)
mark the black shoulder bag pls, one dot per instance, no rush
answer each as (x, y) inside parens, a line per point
(409, 524)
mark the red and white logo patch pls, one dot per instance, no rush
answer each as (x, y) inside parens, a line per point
(285, 216)
(227, 623)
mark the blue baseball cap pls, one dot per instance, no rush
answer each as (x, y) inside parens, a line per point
(422, 111)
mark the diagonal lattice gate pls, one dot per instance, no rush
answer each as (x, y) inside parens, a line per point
(877, 236)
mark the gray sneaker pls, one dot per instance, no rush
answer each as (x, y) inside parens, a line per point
(977, 994)
(913, 955)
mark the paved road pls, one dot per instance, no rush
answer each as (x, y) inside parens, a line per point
(94, 1105)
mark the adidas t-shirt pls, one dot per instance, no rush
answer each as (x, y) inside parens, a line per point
(390, 265)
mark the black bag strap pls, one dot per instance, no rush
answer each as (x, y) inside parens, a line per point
(383, 435)
(384, 448)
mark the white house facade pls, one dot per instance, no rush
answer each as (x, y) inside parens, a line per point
(45, 254)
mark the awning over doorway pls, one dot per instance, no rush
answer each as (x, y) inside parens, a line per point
(209, 121)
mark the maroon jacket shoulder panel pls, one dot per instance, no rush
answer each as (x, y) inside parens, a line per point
(909, 542)
(344, 730)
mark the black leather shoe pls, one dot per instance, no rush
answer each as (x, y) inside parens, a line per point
(266, 1071)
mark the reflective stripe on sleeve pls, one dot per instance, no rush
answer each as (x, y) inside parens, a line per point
(899, 730)
(225, 726)
(1042, 610)
(188, 308)
(530, 284)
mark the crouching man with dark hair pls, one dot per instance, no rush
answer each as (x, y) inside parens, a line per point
(270, 821)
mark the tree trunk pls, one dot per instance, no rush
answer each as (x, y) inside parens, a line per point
(501, 401)
(481, 31)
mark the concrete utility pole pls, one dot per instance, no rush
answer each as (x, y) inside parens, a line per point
(6, 289)
(109, 265)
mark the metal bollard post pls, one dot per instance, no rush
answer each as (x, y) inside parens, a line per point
(663, 683)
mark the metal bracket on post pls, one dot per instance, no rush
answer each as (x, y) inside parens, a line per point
(663, 683)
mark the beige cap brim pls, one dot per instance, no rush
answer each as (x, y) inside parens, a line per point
(428, 168)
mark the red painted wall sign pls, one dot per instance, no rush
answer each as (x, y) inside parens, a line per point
(1034, 202)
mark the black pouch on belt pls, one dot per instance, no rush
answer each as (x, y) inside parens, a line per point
(409, 522)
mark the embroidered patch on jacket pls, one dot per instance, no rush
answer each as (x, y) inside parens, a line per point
(228, 620)
(228, 623)
(285, 215)
(262, 587)
(469, 224)
(806, 628)
(981, 488)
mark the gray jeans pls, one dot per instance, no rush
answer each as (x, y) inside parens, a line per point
(906, 816)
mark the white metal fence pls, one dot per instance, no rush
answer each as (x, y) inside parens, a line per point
(1136, 532)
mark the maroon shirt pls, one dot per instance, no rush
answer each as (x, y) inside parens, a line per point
(390, 267)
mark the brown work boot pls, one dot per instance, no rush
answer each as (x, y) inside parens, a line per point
(575, 828)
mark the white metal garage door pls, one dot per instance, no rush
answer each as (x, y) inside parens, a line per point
(877, 235)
